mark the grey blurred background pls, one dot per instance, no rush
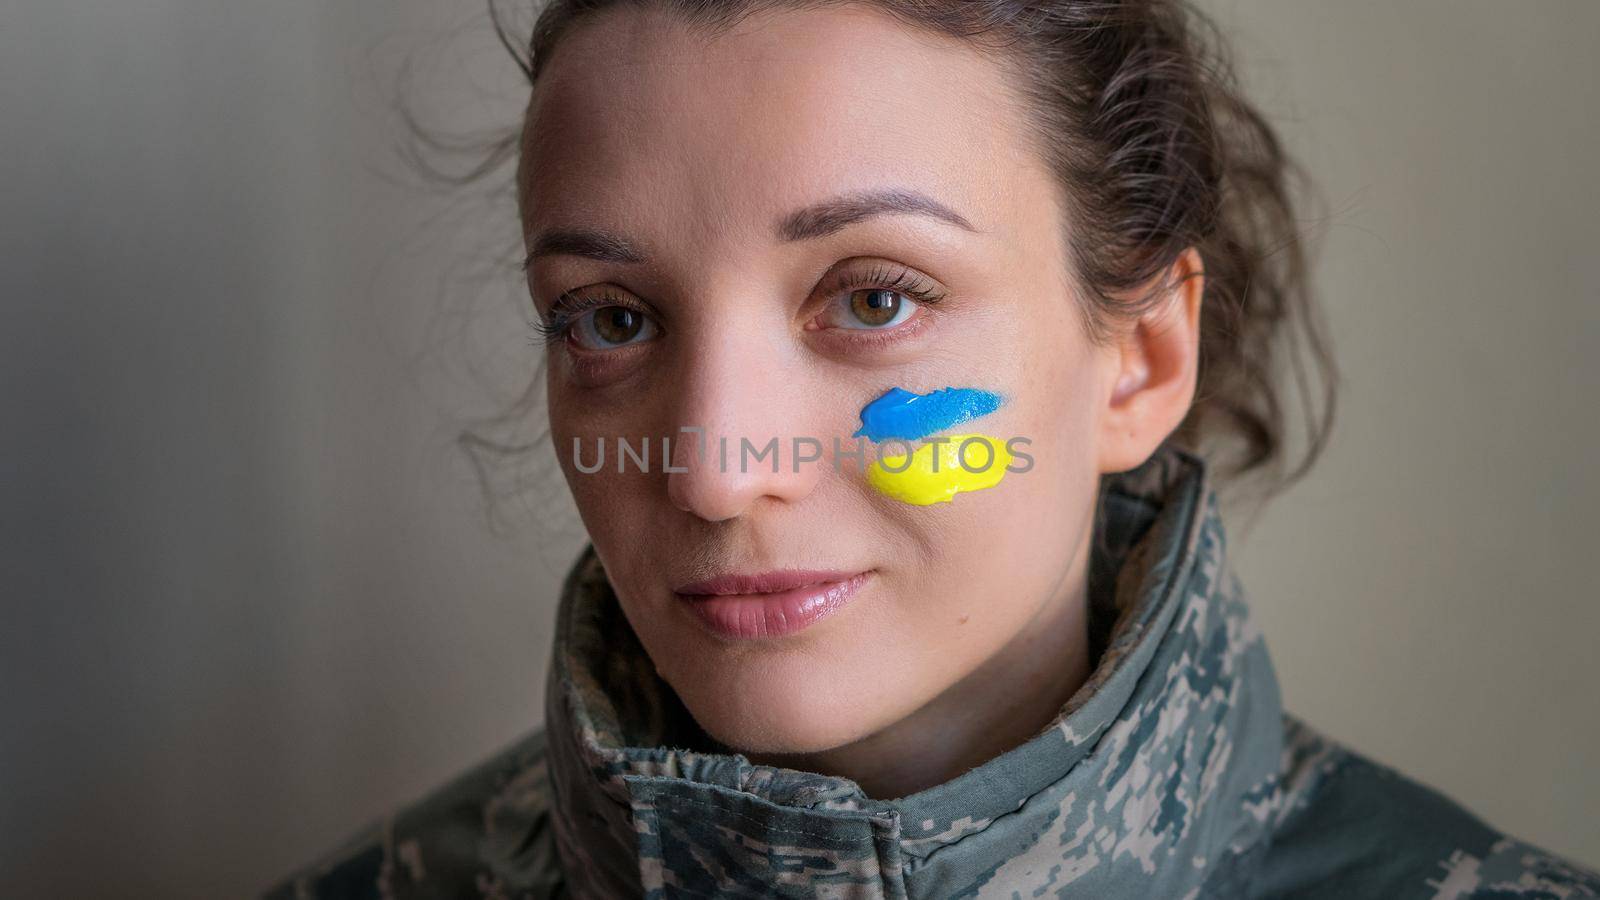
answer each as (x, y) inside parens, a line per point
(252, 597)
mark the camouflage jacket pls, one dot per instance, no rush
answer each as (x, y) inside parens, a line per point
(1174, 772)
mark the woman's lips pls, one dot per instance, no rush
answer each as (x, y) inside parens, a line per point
(769, 604)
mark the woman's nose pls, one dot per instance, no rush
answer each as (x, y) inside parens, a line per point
(742, 441)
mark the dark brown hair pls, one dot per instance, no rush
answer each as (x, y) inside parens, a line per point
(1136, 108)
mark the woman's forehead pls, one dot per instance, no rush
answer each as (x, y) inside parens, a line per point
(635, 109)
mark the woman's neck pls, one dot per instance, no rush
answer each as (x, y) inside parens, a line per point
(1002, 704)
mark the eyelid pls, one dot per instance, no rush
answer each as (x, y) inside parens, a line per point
(885, 275)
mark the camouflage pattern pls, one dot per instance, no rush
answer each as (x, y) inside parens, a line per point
(1174, 772)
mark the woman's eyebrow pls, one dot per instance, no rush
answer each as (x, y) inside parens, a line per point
(811, 222)
(829, 216)
(589, 243)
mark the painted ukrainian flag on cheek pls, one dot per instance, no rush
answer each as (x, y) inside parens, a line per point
(938, 470)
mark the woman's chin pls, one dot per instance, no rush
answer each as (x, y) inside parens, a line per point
(779, 718)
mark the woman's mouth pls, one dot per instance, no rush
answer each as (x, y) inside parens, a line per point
(769, 604)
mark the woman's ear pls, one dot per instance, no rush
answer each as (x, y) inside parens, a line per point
(1152, 367)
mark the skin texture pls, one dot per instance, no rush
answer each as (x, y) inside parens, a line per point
(970, 633)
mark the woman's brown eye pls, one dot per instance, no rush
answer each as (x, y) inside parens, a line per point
(617, 324)
(876, 308)
(611, 326)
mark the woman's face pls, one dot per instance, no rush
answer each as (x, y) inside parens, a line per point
(749, 317)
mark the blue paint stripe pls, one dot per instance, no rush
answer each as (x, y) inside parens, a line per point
(904, 415)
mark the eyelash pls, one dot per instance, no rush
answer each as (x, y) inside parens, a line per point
(569, 306)
(879, 278)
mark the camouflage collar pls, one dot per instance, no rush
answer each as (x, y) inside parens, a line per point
(1153, 779)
